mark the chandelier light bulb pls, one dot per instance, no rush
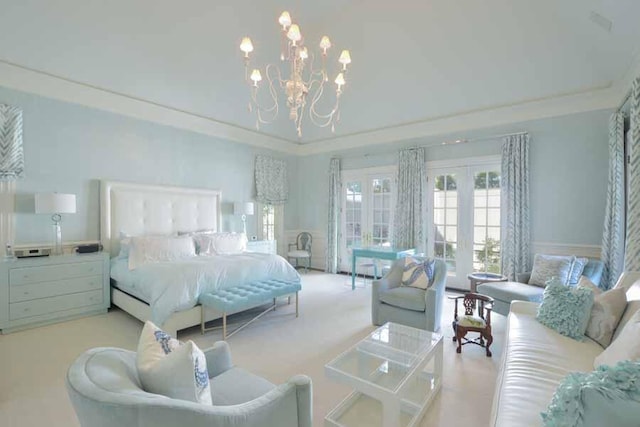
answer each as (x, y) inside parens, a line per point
(340, 82)
(246, 46)
(304, 53)
(285, 20)
(294, 34)
(325, 44)
(345, 59)
(256, 77)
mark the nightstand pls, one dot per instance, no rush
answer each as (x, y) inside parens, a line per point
(38, 291)
(263, 246)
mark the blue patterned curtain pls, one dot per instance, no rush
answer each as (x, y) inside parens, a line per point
(515, 233)
(333, 231)
(271, 180)
(632, 253)
(613, 235)
(408, 223)
(11, 152)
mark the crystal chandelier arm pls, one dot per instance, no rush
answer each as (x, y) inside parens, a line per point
(322, 120)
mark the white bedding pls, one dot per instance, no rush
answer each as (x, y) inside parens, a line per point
(175, 286)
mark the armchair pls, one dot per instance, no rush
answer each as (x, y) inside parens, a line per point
(392, 302)
(105, 391)
(301, 249)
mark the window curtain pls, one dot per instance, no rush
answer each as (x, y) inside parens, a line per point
(515, 233)
(271, 180)
(333, 229)
(632, 253)
(409, 220)
(11, 169)
(613, 235)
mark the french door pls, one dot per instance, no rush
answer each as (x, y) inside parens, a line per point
(368, 198)
(465, 217)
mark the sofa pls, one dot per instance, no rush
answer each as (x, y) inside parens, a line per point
(505, 292)
(536, 359)
(392, 302)
(105, 391)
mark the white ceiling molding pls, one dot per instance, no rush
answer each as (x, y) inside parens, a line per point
(597, 99)
(27, 80)
(623, 85)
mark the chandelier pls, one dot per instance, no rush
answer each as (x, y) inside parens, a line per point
(305, 84)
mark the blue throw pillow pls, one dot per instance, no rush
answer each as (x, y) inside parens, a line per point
(566, 310)
(608, 396)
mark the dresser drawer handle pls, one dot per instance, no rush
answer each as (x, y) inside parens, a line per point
(26, 293)
(26, 310)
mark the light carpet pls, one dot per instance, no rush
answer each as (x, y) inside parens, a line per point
(33, 363)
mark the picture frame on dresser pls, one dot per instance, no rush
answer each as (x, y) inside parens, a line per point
(43, 290)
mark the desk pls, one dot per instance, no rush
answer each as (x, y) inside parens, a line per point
(376, 252)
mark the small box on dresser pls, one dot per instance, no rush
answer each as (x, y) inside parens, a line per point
(38, 291)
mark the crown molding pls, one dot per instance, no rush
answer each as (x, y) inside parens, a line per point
(590, 100)
(623, 85)
(25, 79)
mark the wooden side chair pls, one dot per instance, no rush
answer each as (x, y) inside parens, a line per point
(472, 321)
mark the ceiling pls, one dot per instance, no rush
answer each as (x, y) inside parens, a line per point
(413, 61)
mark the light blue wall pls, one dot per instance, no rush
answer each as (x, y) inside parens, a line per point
(68, 148)
(569, 161)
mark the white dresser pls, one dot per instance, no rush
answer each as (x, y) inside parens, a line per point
(37, 291)
(264, 246)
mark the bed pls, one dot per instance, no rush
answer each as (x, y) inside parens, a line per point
(139, 209)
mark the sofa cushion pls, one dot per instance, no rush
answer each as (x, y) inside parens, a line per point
(509, 291)
(406, 297)
(546, 267)
(625, 347)
(566, 310)
(576, 270)
(237, 386)
(607, 310)
(535, 361)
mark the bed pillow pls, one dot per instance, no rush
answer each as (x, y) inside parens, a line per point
(625, 347)
(546, 267)
(171, 368)
(418, 273)
(576, 270)
(566, 310)
(194, 235)
(226, 243)
(152, 249)
(608, 396)
(608, 308)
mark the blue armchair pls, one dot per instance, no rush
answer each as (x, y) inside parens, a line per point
(392, 302)
(105, 391)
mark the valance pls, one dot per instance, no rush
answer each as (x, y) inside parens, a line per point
(271, 180)
(11, 152)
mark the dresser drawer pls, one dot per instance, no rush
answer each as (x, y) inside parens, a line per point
(51, 289)
(49, 273)
(20, 310)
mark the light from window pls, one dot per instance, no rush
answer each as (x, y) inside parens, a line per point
(268, 222)
(486, 222)
(445, 219)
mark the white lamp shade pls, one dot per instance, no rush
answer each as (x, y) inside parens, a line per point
(55, 203)
(243, 208)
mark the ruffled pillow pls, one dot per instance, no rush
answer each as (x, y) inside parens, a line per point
(608, 396)
(565, 310)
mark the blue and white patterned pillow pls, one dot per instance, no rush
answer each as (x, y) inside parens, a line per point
(576, 270)
(546, 267)
(418, 273)
(170, 368)
(566, 310)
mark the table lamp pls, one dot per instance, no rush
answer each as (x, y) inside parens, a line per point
(244, 209)
(55, 204)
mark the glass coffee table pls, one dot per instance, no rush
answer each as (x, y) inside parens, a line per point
(395, 372)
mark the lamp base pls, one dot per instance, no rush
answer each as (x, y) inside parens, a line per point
(57, 236)
(244, 224)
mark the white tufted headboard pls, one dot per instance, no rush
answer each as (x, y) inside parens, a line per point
(139, 209)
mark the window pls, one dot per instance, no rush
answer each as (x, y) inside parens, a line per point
(445, 219)
(268, 222)
(486, 222)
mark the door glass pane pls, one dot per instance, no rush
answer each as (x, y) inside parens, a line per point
(486, 222)
(381, 190)
(445, 219)
(353, 213)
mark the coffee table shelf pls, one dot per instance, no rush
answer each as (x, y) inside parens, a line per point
(396, 372)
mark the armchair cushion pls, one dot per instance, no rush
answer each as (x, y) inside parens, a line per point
(298, 254)
(406, 297)
(237, 386)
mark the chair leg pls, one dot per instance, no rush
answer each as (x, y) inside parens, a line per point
(489, 338)
(297, 310)
(453, 325)
(459, 336)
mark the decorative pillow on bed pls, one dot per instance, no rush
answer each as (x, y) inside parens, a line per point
(171, 368)
(546, 267)
(151, 249)
(608, 396)
(194, 235)
(418, 273)
(565, 310)
(221, 243)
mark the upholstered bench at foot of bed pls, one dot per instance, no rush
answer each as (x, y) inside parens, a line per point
(244, 297)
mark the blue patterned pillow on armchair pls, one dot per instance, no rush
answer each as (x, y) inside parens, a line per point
(418, 273)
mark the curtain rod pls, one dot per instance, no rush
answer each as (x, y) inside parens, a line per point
(437, 144)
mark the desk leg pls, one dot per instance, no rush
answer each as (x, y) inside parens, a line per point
(375, 268)
(353, 271)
